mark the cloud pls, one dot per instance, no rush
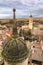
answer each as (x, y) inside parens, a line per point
(23, 8)
(6, 12)
(38, 12)
(21, 3)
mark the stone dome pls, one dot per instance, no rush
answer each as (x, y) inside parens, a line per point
(15, 50)
(30, 16)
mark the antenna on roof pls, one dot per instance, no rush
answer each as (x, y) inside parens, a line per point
(30, 13)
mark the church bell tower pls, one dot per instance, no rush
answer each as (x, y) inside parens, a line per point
(30, 22)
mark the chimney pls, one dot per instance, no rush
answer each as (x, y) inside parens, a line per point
(14, 10)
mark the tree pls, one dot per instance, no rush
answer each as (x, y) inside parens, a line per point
(0, 22)
(11, 22)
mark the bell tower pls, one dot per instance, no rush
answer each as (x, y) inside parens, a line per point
(30, 22)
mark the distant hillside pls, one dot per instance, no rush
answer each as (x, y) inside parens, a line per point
(21, 19)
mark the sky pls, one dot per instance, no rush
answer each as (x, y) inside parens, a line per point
(24, 8)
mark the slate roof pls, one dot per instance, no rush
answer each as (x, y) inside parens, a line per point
(38, 55)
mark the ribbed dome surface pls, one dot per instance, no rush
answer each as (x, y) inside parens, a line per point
(15, 50)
